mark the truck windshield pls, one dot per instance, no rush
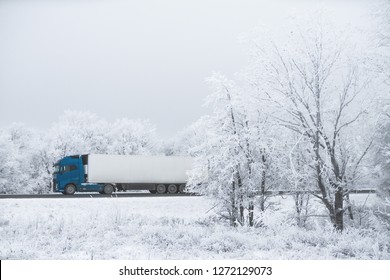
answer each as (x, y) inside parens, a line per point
(56, 168)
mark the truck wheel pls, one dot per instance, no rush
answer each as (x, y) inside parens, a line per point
(108, 189)
(69, 189)
(119, 188)
(152, 191)
(172, 188)
(182, 188)
(161, 188)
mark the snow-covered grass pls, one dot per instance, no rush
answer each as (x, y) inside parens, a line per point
(169, 228)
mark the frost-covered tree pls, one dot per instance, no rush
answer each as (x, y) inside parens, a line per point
(8, 165)
(42, 165)
(186, 141)
(220, 158)
(382, 38)
(78, 133)
(84, 132)
(382, 161)
(382, 139)
(18, 146)
(234, 160)
(299, 177)
(317, 82)
(132, 137)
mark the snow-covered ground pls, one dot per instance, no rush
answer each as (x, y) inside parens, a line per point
(170, 228)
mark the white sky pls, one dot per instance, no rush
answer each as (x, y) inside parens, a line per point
(135, 59)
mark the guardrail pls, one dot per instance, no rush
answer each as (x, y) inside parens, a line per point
(281, 192)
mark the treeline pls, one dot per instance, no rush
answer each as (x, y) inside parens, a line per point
(27, 155)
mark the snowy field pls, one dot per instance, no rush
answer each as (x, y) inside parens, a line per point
(170, 228)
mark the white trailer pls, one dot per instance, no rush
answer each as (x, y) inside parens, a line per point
(159, 174)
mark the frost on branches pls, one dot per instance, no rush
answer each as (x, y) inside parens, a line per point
(236, 159)
(318, 82)
(300, 120)
(382, 160)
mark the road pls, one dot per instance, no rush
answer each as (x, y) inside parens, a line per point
(90, 195)
(121, 194)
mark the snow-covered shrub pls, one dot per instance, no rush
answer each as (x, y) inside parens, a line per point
(116, 229)
(224, 242)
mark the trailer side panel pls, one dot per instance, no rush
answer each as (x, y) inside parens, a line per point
(138, 169)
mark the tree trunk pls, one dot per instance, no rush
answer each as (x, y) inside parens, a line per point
(250, 214)
(233, 214)
(262, 186)
(338, 208)
(241, 198)
(298, 207)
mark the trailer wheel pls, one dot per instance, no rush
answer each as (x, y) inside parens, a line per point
(152, 191)
(172, 188)
(182, 188)
(108, 189)
(69, 189)
(161, 188)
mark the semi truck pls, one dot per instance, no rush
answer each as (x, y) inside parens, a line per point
(109, 173)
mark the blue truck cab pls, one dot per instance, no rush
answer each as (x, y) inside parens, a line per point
(70, 175)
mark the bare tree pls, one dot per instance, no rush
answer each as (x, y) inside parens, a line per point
(319, 91)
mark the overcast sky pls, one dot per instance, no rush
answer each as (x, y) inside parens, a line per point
(135, 59)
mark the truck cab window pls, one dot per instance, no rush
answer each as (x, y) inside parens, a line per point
(56, 168)
(68, 168)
